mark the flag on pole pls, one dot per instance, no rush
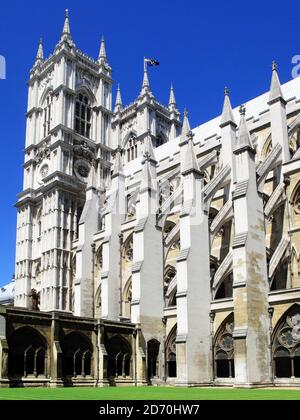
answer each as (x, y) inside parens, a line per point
(151, 62)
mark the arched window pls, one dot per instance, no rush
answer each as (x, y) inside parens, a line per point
(28, 354)
(128, 249)
(119, 357)
(47, 114)
(127, 298)
(83, 115)
(77, 355)
(286, 345)
(152, 358)
(131, 204)
(131, 148)
(224, 350)
(171, 353)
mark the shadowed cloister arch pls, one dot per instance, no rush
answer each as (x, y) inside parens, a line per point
(119, 357)
(29, 353)
(77, 355)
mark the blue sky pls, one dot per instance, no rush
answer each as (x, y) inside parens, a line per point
(202, 46)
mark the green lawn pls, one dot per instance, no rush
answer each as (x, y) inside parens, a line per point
(147, 393)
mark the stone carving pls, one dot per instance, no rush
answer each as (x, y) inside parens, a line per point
(84, 151)
(44, 171)
(82, 169)
(42, 153)
(84, 78)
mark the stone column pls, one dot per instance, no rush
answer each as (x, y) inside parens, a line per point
(193, 278)
(102, 379)
(55, 353)
(147, 269)
(114, 216)
(84, 296)
(250, 284)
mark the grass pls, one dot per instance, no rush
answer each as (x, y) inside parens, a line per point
(147, 393)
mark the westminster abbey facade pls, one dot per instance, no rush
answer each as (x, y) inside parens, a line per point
(148, 252)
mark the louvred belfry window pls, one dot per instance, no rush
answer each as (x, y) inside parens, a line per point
(83, 115)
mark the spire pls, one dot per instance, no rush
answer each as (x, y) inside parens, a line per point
(190, 163)
(118, 166)
(275, 89)
(66, 33)
(118, 104)
(40, 53)
(172, 100)
(102, 52)
(227, 114)
(185, 128)
(146, 84)
(243, 140)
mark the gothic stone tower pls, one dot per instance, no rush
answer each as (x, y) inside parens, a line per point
(68, 124)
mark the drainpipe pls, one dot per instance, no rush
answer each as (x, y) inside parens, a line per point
(93, 279)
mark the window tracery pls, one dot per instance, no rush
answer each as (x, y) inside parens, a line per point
(83, 115)
(224, 350)
(286, 346)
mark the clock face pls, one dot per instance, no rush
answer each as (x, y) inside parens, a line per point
(43, 172)
(81, 170)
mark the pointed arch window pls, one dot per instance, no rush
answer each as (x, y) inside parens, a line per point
(131, 148)
(83, 115)
(171, 353)
(224, 350)
(286, 345)
(47, 114)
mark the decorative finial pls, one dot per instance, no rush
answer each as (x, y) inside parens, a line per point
(242, 110)
(66, 32)
(172, 100)
(274, 65)
(185, 112)
(40, 53)
(226, 91)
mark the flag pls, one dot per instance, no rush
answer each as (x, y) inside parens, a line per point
(151, 62)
